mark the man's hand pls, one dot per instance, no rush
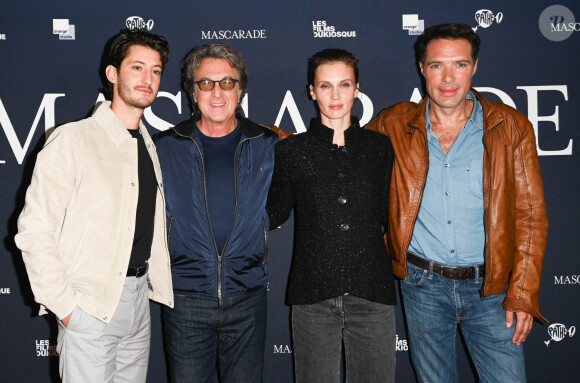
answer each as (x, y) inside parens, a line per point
(524, 325)
(66, 319)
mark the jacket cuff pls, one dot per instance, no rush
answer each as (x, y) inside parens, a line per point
(517, 305)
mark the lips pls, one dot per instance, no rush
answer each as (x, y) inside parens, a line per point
(448, 92)
(335, 107)
(144, 90)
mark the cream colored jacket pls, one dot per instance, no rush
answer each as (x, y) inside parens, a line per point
(76, 229)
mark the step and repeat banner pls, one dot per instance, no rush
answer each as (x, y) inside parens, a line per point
(51, 60)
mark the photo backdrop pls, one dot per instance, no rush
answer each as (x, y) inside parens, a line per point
(51, 60)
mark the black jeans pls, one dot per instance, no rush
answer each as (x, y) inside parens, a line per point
(367, 330)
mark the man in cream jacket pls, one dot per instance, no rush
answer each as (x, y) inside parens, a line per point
(92, 231)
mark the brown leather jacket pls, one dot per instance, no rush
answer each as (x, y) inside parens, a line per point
(516, 223)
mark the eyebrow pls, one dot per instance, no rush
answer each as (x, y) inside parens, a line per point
(143, 63)
(346, 79)
(441, 61)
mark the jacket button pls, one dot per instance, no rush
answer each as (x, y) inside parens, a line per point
(340, 175)
(341, 200)
(344, 227)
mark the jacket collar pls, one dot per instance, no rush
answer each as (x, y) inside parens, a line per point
(490, 116)
(326, 134)
(113, 126)
(249, 129)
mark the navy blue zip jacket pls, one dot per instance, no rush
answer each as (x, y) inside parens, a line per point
(197, 266)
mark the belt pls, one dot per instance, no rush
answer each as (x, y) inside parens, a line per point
(138, 271)
(449, 272)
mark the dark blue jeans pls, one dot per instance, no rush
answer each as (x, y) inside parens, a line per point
(204, 340)
(367, 330)
(435, 306)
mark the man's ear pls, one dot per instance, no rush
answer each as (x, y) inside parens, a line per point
(422, 69)
(111, 73)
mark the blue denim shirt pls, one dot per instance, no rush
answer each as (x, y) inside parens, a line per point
(450, 225)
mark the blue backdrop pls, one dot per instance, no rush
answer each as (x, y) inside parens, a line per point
(50, 60)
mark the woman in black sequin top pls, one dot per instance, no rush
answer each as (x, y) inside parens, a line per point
(336, 179)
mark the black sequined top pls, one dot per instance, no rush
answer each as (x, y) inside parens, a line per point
(339, 196)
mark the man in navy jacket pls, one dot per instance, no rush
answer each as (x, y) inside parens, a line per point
(217, 168)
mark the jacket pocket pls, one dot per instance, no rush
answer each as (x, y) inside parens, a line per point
(77, 255)
(415, 275)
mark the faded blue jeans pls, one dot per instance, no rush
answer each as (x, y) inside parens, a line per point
(367, 330)
(434, 306)
(204, 340)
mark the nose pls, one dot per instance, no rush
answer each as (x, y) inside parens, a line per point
(148, 76)
(217, 90)
(334, 93)
(448, 75)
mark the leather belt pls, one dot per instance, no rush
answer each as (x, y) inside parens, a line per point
(138, 271)
(449, 272)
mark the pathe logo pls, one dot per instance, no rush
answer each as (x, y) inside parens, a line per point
(412, 24)
(44, 348)
(322, 29)
(485, 18)
(63, 29)
(4, 290)
(2, 36)
(557, 23)
(557, 332)
(567, 279)
(230, 34)
(137, 22)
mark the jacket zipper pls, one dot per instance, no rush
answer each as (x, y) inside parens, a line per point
(219, 260)
(218, 255)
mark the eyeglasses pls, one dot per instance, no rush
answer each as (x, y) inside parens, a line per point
(207, 85)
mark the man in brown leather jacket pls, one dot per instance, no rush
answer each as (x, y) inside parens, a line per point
(467, 220)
